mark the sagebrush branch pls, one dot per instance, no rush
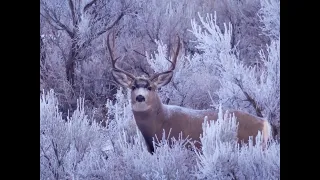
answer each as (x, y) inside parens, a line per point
(255, 105)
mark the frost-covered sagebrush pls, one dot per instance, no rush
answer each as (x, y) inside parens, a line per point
(120, 117)
(222, 158)
(255, 89)
(77, 149)
(190, 82)
(269, 15)
(69, 149)
(169, 161)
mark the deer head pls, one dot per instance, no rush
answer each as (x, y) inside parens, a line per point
(143, 89)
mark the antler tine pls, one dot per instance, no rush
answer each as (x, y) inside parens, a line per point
(111, 52)
(175, 57)
(114, 60)
(173, 62)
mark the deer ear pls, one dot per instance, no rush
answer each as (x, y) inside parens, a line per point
(162, 79)
(121, 78)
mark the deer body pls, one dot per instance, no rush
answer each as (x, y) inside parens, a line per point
(153, 117)
(175, 119)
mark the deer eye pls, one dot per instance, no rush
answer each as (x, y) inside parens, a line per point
(149, 88)
(133, 87)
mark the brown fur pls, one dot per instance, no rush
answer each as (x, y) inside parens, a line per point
(161, 117)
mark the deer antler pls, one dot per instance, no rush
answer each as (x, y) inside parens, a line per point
(175, 57)
(114, 60)
(173, 62)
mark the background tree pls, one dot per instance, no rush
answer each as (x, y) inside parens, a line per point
(73, 30)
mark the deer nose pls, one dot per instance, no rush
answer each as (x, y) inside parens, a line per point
(140, 98)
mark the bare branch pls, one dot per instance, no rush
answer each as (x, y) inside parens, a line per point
(139, 53)
(64, 55)
(150, 36)
(50, 22)
(112, 25)
(48, 159)
(89, 40)
(86, 7)
(71, 6)
(255, 105)
(144, 71)
(53, 18)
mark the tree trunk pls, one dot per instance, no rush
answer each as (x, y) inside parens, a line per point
(71, 64)
(42, 59)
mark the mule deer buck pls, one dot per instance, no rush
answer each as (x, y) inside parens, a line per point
(152, 116)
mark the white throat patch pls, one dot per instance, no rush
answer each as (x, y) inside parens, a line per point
(140, 106)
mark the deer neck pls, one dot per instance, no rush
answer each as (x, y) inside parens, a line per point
(151, 120)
